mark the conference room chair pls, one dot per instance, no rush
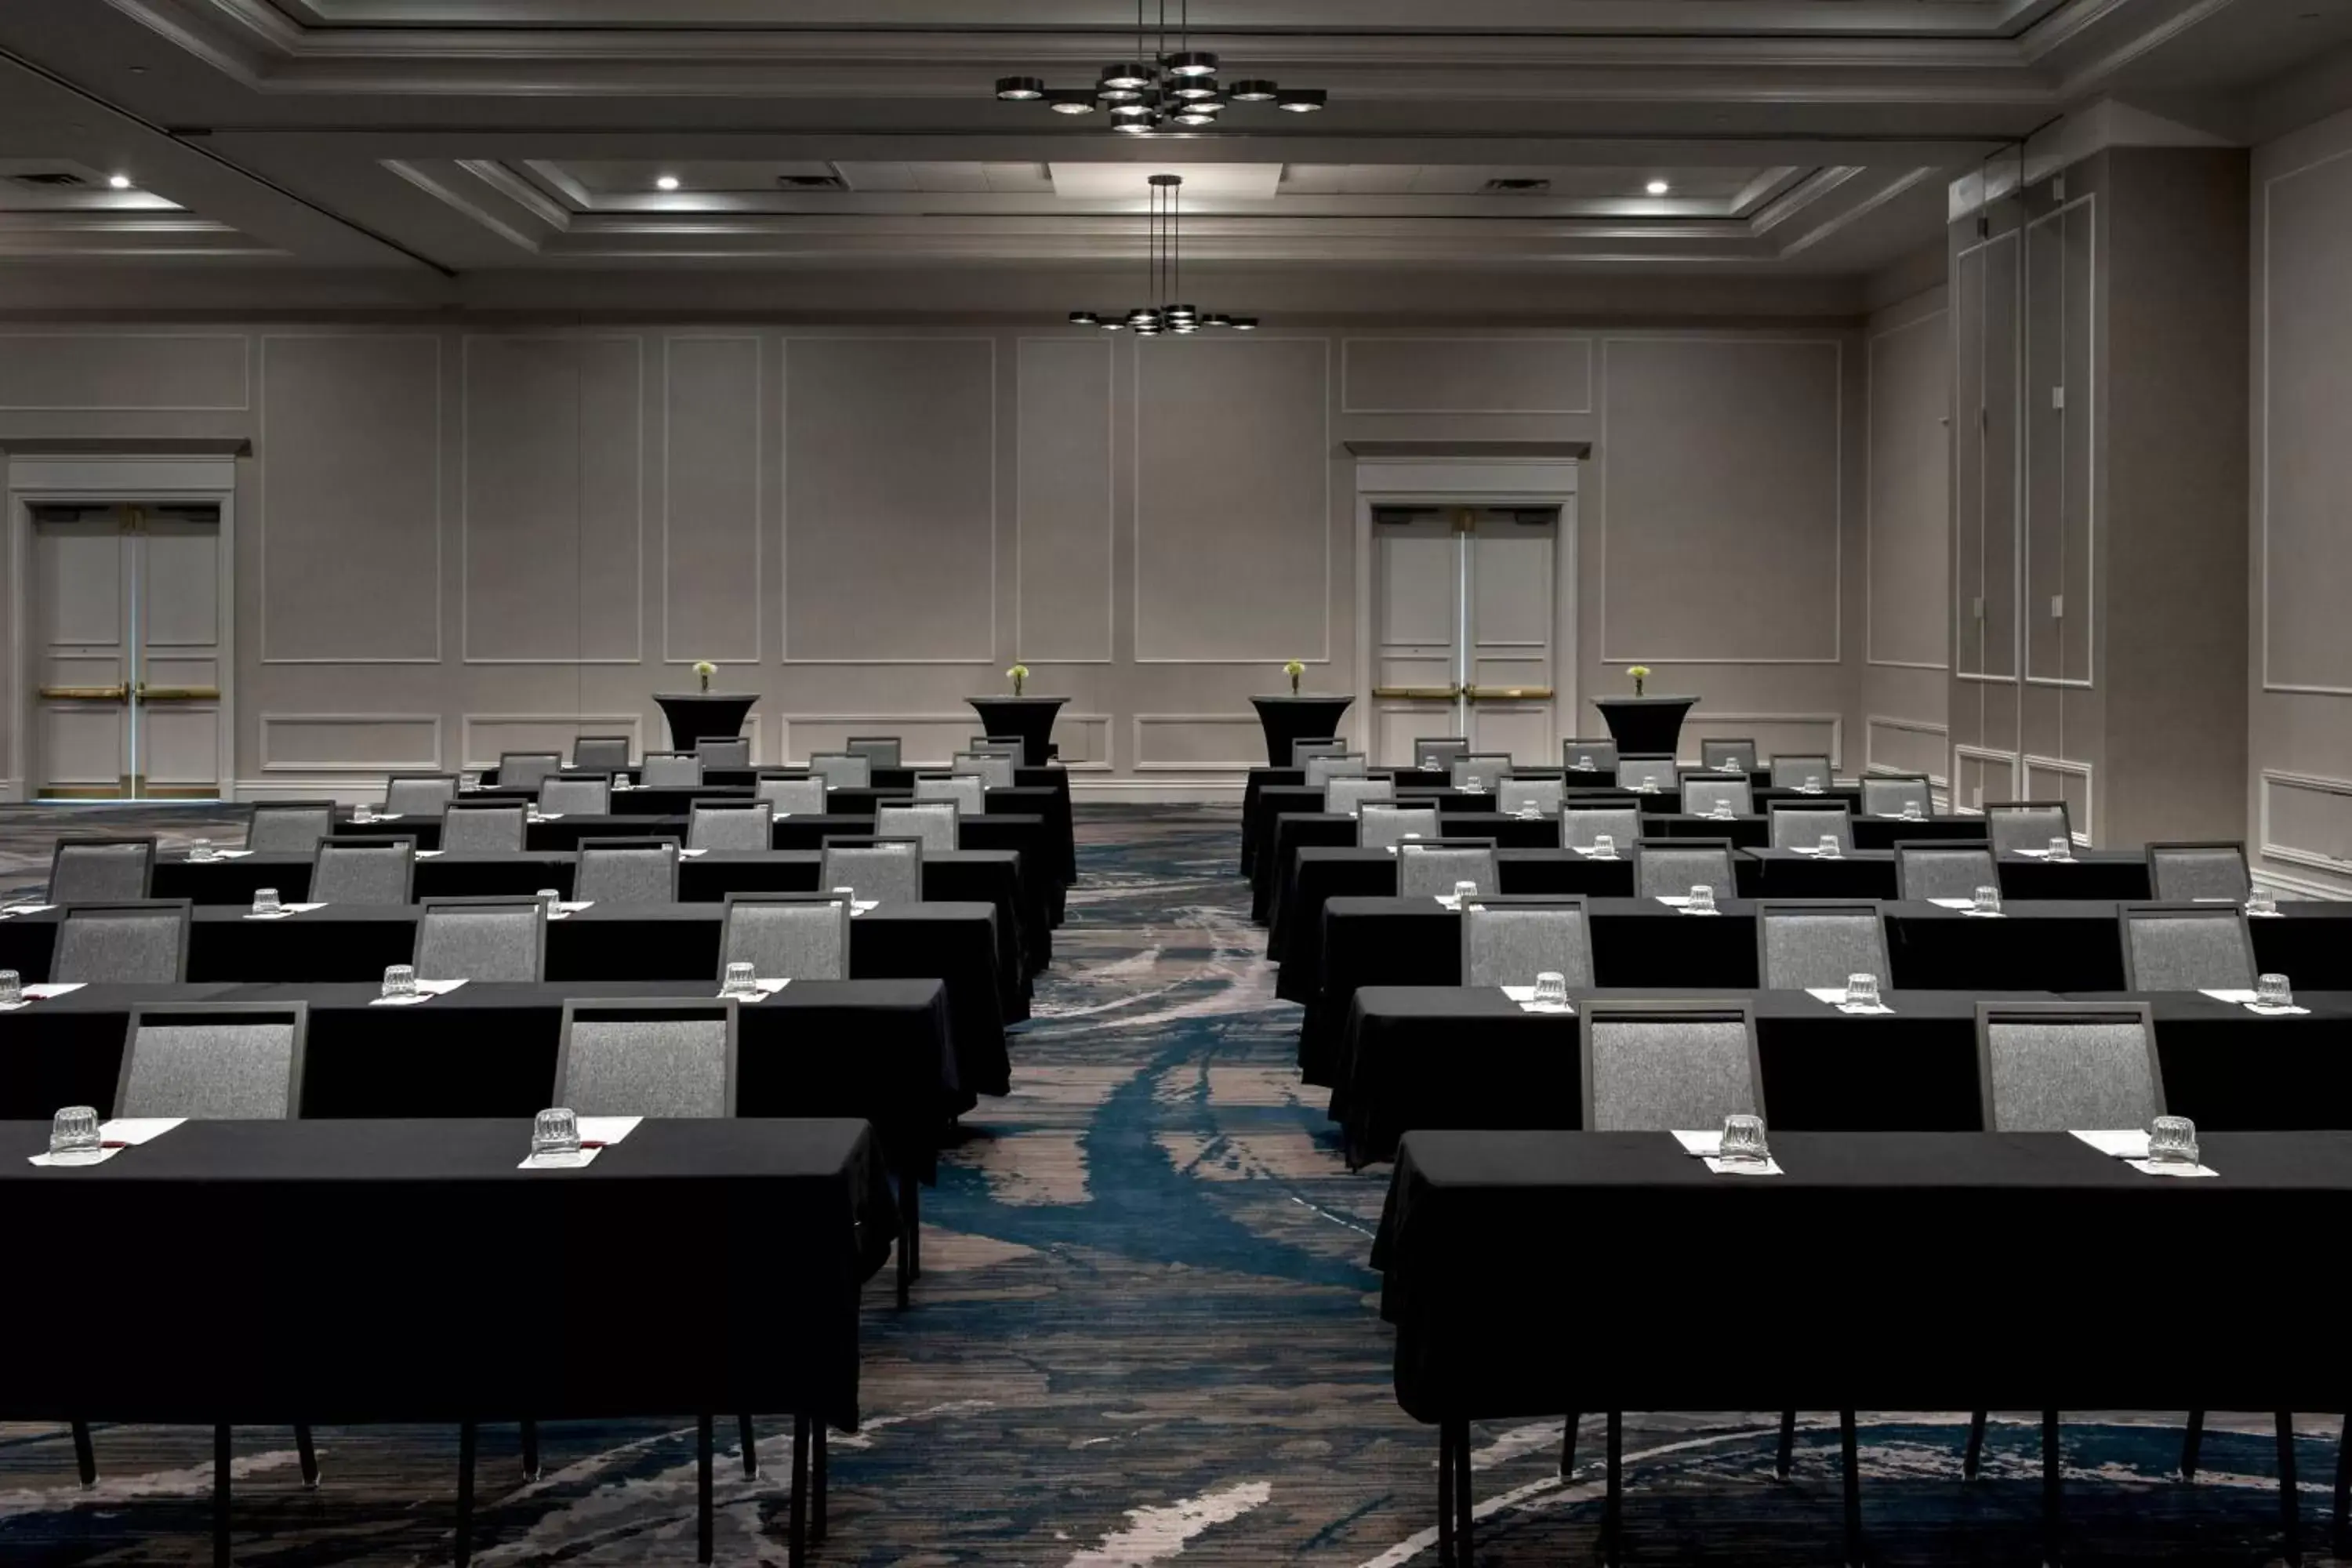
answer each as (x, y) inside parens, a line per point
(122, 944)
(100, 869)
(1670, 867)
(873, 868)
(1322, 769)
(1805, 827)
(2190, 873)
(788, 795)
(1384, 824)
(289, 826)
(523, 770)
(785, 936)
(2015, 825)
(1645, 774)
(601, 754)
(571, 794)
(365, 870)
(484, 828)
(1012, 746)
(670, 769)
(1888, 794)
(1543, 796)
(1932, 869)
(1315, 746)
(1724, 753)
(1588, 755)
(1799, 771)
(1430, 867)
(1619, 820)
(879, 751)
(1703, 792)
(1347, 795)
(968, 791)
(842, 770)
(724, 751)
(1799, 946)
(728, 825)
(996, 772)
(419, 794)
(1508, 940)
(1435, 753)
(2185, 947)
(1476, 770)
(933, 823)
(487, 940)
(626, 871)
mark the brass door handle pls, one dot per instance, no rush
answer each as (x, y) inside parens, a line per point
(1508, 693)
(178, 693)
(86, 693)
(1416, 693)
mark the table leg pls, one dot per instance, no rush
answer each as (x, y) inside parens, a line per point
(1445, 1493)
(2289, 1501)
(2050, 1471)
(1788, 1446)
(702, 1462)
(1974, 1454)
(220, 1496)
(527, 1431)
(910, 1204)
(1613, 1512)
(85, 1456)
(1462, 1494)
(2343, 1488)
(797, 1552)
(465, 1433)
(2191, 1441)
(308, 1452)
(1852, 1465)
(816, 1479)
(750, 1447)
(1567, 1446)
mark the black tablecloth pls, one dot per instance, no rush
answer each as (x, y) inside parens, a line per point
(1650, 726)
(1031, 717)
(1869, 873)
(1754, 831)
(1306, 717)
(1416, 1057)
(1318, 876)
(1295, 831)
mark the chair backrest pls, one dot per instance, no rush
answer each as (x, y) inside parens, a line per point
(786, 936)
(364, 871)
(1580, 823)
(1433, 753)
(2185, 873)
(967, 792)
(876, 869)
(626, 871)
(481, 938)
(1887, 794)
(122, 944)
(573, 794)
(1819, 943)
(1430, 866)
(213, 1061)
(2015, 825)
(1716, 752)
(728, 825)
(933, 822)
(1702, 792)
(289, 826)
(1319, 746)
(1670, 867)
(1645, 772)
(419, 794)
(1383, 824)
(1347, 796)
(1476, 770)
(1805, 827)
(2185, 947)
(1589, 755)
(601, 754)
(1797, 771)
(1322, 769)
(842, 770)
(1545, 796)
(792, 793)
(1660, 1066)
(670, 769)
(2057, 1067)
(665, 1057)
(523, 770)
(724, 751)
(879, 751)
(100, 869)
(1508, 941)
(996, 772)
(490, 828)
(1938, 868)
(1012, 746)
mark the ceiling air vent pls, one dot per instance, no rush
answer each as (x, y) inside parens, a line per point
(812, 183)
(51, 179)
(1518, 187)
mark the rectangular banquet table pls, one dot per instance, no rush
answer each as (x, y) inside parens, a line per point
(1317, 875)
(1295, 831)
(1866, 873)
(1753, 830)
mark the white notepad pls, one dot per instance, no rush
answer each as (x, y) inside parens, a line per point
(1835, 997)
(767, 988)
(1745, 1168)
(1525, 996)
(2119, 1143)
(282, 911)
(426, 991)
(2174, 1168)
(605, 1131)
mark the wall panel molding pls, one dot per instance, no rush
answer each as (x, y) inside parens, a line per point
(1021, 491)
(1701, 719)
(945, 733)
(2085, 831)
(86, 404)
(2090, 607)
(1253, 734)
(1964, 752)
(2336, 792)
(757, 580)
(1874, 723)
(478, 750)
(1581, 346)
(1941, 316)
(421, 732)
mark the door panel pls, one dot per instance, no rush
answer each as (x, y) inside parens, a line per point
(82, 654)
(176, 699)
(1510, 563)
(1416, 634)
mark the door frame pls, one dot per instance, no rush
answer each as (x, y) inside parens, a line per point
(114, 481)
(1472, 481)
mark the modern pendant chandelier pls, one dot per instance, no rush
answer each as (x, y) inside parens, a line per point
(1166, 244)
(1162, 89)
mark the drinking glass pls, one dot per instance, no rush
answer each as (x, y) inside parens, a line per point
(2273, 991)
(361, 812)
(1413, 836)
(73, 1137)
(1702, 899)
(1729, 766)
(1862, 992)
(1584, 763)
(2062, 847)
(12, 988)
(201, 849)
(2172, 1139)
(1828, 848)
(1464, 893)
(847, 895)
(2261, 901)
(1743, 1141)
(549, 898)
(1604, 845)
(1987, 901)
(740, 981)
(1551, 990)
(399, 980)
(555, 1131)
(265, 902)
(1471, 782)
(1911, 812)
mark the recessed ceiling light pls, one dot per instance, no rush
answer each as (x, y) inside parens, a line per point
(665, 181)
(1657, 188)
(1019, 88)
(120, 182)
(1299, 99)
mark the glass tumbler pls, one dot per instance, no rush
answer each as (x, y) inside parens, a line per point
(1743, 1141)
(1702, 899)
(2172, 1140)
(2273, 991)
(73, 1137)
(399, 980)
(265, 902)
(555, 1131)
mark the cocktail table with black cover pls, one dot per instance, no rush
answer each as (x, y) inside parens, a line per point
(1309, 716)
(1645, 726)
(698, 715)
(1031, 717)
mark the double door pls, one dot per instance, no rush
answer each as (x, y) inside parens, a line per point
(1464, 629)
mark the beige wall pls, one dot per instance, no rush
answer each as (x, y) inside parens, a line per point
(1907, 550)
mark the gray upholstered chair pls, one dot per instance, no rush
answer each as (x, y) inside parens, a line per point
(2015, 825)
(1670, 867)
(122, 944)
(879, 751)
(876, 869)
(1320, 771)
(100, 869)
(2193, 873)
(1619, 820)
(487, 827)
(842, 770)
(1476, 770)
(523, 770)
(1798, 946)
(1347, 796)
(786, 936)
(289, 826)
(1939, 868)
(2185, 947)
(1316, 746)
(1645, 772)
(601, 754)
(1429, 868)
(670, 769)
(1722, 753)
(1436, 753)
(935, 823)
(1012, 746)
(1384, 824)
(723, 752)
(2053, 1067)
(1799, 771)
(1889, 794)
(485, 940)
(213, 1061)
(967, 792)
(1704, 794)
(571, 794)
(364, 871)
(1660, 1065)
(728, 825)
(1805, 827)
(1508, 941)
(419, 794)
(666, 1058)
(1590, 756)
(1542, 796)
(788, 795)
(996, 772)
(626, 871)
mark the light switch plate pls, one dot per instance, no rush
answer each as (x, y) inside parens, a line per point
(2057, 607)
(2057, 398)
(1978, 610)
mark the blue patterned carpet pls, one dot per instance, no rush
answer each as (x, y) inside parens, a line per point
(1146, 1334)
